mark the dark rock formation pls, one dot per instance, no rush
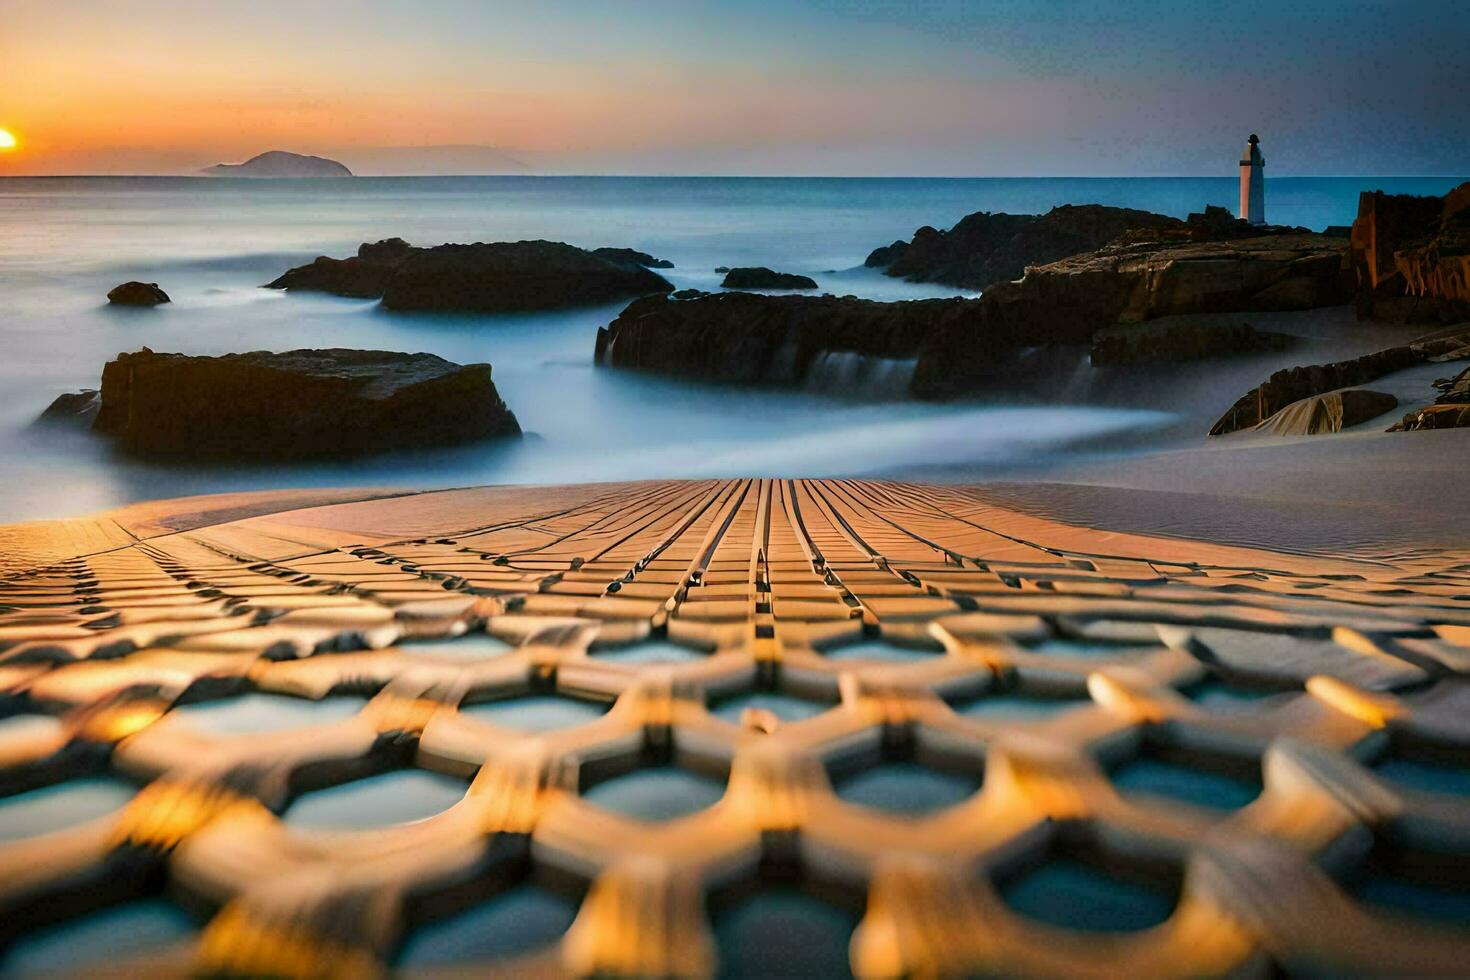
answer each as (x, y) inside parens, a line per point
(137, 294)
(364, 276)
(986, 248)
(1293, 384)
(1411, 256)
(1456, 416)
(751, 338)
(630, 256)
(1182, 342)
(1071, 300)
(73, 408)
(959, 342)
(279, 163)
(1328, 413)
(503, 276)
(759, 277)
(296, 404)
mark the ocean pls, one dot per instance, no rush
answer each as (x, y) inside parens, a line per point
(211, 243)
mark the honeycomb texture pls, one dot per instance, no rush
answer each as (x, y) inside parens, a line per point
(631, 721)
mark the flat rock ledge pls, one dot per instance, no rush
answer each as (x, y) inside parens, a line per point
(137, 294)
(302, 403)
(483, 277)
(1142, 344)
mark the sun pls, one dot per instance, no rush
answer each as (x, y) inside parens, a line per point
(7, 141)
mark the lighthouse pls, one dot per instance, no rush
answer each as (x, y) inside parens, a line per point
(1253, 182)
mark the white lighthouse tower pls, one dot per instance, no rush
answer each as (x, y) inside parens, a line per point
(1253, 182)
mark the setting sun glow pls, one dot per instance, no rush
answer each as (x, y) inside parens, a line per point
(7, 141)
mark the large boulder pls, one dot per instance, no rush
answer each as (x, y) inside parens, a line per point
(1328, 413)
(137, 294)
(753, 338)
(1411, 256)
(759, 277)
(500, 276)
(296, 404)
(1069, 301)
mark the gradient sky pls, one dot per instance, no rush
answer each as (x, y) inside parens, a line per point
(1092, 87)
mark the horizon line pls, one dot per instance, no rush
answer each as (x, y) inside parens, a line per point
(213, 178)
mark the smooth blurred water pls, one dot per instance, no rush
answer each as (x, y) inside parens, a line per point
(211, 243)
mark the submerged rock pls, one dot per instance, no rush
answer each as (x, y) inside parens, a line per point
(296, 404)
(137, 294)
(752, 338)
(1411, 256)
(1182, 342)
(759, 277)
(631, 256)
(1332, 412)
(501, 276)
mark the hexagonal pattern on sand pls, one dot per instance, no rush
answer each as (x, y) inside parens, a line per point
(676, 728)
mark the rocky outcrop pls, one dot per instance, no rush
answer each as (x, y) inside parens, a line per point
(1118, 346)
(496, 277)
(960, 342)
(137, 294)
(1293, 384)
(986, 248)
(279, 163)
(1068, 302)
(364, 276)
(300, 403)
(631, 256)
(73, 408)
(751, 338)
(1454, 416)
(1332, 412)
(759, 277)
(1411, 256)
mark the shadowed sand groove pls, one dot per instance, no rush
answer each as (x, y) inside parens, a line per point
(1238, 758)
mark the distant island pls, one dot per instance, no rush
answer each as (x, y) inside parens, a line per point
(279, 163)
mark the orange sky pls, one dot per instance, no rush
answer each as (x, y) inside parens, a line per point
(818, 86)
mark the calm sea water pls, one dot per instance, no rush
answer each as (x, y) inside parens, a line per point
(211, 243)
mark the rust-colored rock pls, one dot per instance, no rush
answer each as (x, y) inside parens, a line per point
(1411, 256)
